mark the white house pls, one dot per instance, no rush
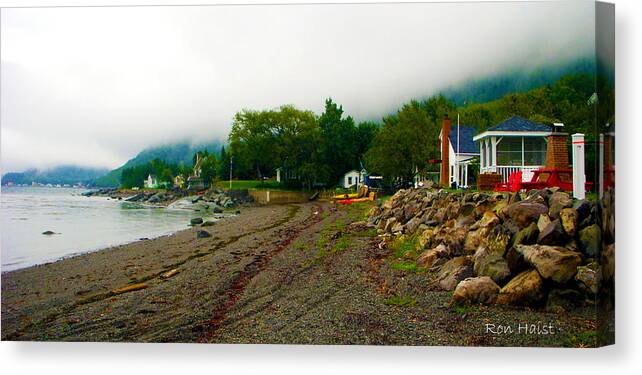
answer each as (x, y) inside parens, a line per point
(514, 145)
(462, 151)
(285, 174)
(150, 182)
(353, 178)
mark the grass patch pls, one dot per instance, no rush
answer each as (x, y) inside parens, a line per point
(585, 339)
(405, 246)
(342, 244)
(372, 232)
(250, 185)
(400, 301)
(405, 266)
(301, 246)
(461, 310)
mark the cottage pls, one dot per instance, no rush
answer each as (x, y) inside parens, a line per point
(458, 152)
(353, 178)
(150, 182)
(514, 145)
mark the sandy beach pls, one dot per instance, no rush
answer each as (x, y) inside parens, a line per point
(297, 273)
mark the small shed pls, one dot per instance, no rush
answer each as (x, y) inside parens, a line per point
(352, 178)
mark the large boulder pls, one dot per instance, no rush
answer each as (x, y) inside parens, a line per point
(454, 271)
(590, 240)
(552, 262)
(558, 201)
(527, 236)
(569, 219)
(196, 221)
(203, 234)
(543, 221)
(524, 289)
(480, 231)
(474, 290)
(553, 234)
(491, 265)
(523, 213)
(588, 278)
(428, 258)
(425, 238)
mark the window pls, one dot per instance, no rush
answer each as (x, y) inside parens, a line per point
(534, 151)
(349, 180)
(509, 151)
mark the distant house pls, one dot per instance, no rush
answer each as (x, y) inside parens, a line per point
(285, 174)
(462, 151)
(150, 182)
(353, 178)
(515, 145)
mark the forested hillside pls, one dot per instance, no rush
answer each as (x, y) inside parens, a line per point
(180, 154)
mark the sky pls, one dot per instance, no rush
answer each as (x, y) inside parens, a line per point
(94, 86)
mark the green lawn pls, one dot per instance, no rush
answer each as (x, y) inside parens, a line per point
(249, 184)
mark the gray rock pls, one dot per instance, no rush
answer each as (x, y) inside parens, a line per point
(588, 278)
(527, 236)
(590, 240)
(569, 219)
(552, 262)
(524, 289)
(454, 271)
(474, 290)
(523, 213)
(203, 234)
(553, 234)
(557, 202)
(196, 221)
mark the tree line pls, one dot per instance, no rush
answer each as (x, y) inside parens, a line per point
(313, 150)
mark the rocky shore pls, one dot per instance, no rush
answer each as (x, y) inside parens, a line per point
(211, 200)
(540, 249)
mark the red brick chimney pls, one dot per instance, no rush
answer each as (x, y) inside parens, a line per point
(444, 178)
(557, 151)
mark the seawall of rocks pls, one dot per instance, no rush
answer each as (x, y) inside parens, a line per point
(540, 249)
(214, 200)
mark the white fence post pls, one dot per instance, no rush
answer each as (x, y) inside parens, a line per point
(579, 177)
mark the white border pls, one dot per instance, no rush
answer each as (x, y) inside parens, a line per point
(99, 358)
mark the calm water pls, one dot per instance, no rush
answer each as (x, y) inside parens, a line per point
(82, 224)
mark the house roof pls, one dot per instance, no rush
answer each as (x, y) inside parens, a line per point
(520, 124)
(466, 143)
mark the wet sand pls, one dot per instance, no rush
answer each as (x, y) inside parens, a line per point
(295, 273)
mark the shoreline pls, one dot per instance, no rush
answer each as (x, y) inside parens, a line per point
(31, 296)
(207, 218)
(309, 273)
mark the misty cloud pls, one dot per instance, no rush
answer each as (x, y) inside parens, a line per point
(93, 86)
